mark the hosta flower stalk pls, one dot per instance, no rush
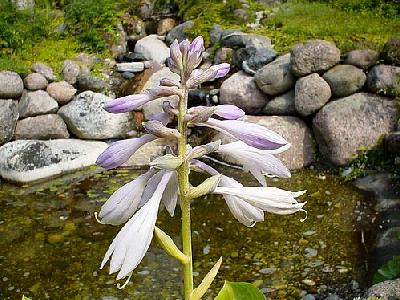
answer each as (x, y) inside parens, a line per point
(167, 181)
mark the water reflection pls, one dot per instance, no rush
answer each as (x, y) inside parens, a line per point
(51, 246)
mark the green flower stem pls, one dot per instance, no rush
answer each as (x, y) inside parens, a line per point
(183, 182)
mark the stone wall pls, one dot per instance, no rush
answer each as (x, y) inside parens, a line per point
(315, 96)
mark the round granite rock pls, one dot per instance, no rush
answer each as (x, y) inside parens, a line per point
(345, 80)
(11, 85)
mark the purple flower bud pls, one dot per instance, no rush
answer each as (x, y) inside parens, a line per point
(119, 152)
(184, 47)
(128, 103)
(194, 55)
(158, 129)
(252, 134)
(229, 112)
(222, 69)
(162, 117)
(176, 54)
(163, 91)
(172, 66)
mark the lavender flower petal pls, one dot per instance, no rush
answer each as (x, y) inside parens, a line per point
(176, 54)
(119, 152)
(127, 104)
(252, 134)
(125, 201)
(132, 242)
(229, 112)
(222, 70)
(258, 162)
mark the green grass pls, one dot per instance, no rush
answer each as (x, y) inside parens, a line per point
(299, 20)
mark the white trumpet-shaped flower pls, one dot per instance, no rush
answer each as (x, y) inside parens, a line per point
(132, 242)
(270, 199)
(125, 201)
(258, 162)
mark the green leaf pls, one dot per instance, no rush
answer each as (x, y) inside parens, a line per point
(169, 246)
(25, 298)
(389, 271)
(239, 291)
(206, 282)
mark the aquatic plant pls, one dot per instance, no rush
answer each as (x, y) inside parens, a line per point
(137, 203)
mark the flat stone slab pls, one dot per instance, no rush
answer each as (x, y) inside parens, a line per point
(25, 161)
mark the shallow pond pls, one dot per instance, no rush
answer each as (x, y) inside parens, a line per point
(51, 245)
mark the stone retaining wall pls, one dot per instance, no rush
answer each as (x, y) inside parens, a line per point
(313, 96)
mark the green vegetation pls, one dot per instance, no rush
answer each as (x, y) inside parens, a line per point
(351, 24)
(389, 271)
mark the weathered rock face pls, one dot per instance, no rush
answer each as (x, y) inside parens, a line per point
(43, 127)
(86, 118)
(345, 80)
(384, 79)
(313, 56)
(276, 77)
(165, 25)
(389, 289)
(364, 58)
(343, 126)
(35, 81)
(391, 51)
(8, 119)
(152, 48)
(155, 106)
(70, 71)
(45, 70)
(87, 82)
(281, 105)
(311, 93)
(252, 59)
(241, 90)
(36, 103)
(178, 32)
(31, 160)
(11, 85)
(61, 91)
(293, 129)
(236, 38)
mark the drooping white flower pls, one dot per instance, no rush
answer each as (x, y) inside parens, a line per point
(132, 242)
(270, 199)
(258, 162)
(124, 202)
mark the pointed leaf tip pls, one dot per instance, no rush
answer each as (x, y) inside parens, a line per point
(198, 292)
(207, 187)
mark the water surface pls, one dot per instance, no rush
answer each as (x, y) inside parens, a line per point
(51, 245)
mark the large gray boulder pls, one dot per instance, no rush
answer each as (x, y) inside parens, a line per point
(11, 85)
(8, 119)
(86, 118)
(26, 161)
(35, 81)
(276, 77)
(281, 105)
(155, 106)
(43, 127)
(36, 103)
(179, 32)
(364, 58)
(311, 93)
(345, 80)
(313, 56)
(152, 48)
(241, 90)
(293, 129)
(384, 79)
(344, 126)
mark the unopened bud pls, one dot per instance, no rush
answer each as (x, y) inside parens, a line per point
(163, 91)
(169, 246)
(168, 82)
(202, 150)
(158, 129)
(199, 114)
(207, 187)
(167, 162)
(167, 107)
